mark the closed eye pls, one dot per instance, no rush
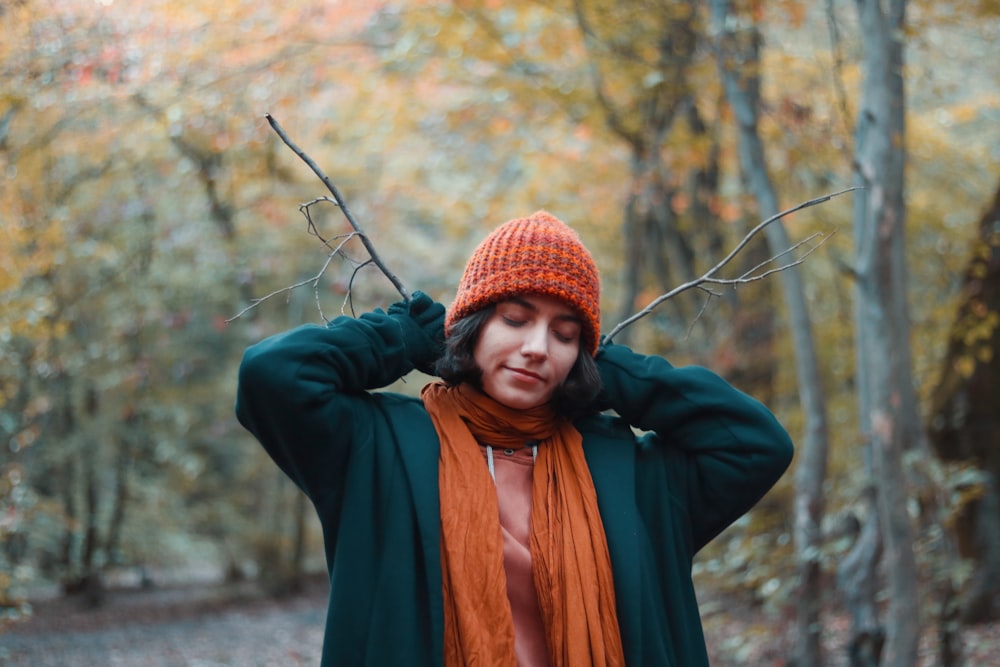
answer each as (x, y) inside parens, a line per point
(564, 338)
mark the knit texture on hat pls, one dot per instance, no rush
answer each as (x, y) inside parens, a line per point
(541, 255)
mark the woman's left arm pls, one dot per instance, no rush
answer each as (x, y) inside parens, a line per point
(724, 448)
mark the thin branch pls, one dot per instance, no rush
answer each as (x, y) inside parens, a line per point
(343, 207)
(314, 281)
(837, 72)
(749, 276)
(788, 251)
(710, 275)
(306, 210)
(709, 295)
(349, 297)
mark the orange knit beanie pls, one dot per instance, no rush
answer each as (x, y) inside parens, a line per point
(539, 254)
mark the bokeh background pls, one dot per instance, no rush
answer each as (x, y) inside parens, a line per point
(146, 205)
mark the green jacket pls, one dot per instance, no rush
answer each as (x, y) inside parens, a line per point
(368, 461)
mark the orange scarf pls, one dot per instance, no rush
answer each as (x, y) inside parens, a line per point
(569, 551)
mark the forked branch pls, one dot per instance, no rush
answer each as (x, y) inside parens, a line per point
(710, 277)
(343, 207)
(314, 281)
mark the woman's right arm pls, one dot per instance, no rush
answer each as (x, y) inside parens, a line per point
(303, 393)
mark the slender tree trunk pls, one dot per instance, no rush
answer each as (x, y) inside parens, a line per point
(93, 586)
(133, 429)
(123, 462)
(738, 50)
(858, 583)
(90, 515)
(64, 423)
(66, 472)
(653, 245)
(888, 413)
(630, 274)
(93, 549)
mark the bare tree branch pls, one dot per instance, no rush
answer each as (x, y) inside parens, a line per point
(343, 207)
(306, 210)
(314, 281)
(749, 276)
(335, 250)
(752, 274)
(709, 277)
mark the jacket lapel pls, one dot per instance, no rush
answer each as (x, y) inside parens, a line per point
(612, 467)
(421, 464)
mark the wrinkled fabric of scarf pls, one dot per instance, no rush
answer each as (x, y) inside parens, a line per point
(570, 561)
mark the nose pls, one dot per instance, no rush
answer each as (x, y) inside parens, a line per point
(535, 342)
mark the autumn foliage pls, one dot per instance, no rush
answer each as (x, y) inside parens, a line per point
(144, 200)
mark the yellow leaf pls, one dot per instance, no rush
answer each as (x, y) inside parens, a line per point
(965, 366)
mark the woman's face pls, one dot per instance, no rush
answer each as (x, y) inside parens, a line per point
(526, 350)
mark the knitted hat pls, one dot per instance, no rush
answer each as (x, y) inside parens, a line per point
(539, 254)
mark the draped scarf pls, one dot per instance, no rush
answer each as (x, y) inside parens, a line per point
(571, 565)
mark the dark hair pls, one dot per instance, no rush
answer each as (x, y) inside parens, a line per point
(574, 398)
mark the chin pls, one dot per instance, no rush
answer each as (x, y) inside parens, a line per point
(520, 402)
(515, 398)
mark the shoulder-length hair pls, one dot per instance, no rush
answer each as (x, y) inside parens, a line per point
(574, 398)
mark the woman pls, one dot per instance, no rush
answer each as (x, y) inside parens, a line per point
(504, 517)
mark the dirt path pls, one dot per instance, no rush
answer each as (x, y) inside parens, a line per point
(213, 626)
(172, 628)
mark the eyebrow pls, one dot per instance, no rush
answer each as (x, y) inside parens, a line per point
(524, 303)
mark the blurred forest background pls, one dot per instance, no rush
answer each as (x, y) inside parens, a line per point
(145, 202)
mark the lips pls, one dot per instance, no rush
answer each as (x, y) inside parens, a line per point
(526, 374)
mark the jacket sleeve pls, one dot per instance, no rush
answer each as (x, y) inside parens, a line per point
(717, 448)
(303, 393)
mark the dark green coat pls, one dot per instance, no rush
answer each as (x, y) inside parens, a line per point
(368, 461)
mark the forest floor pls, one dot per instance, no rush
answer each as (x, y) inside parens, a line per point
(215, 626)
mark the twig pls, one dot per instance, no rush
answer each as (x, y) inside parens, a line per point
(314, 281)
(343, 207)
(305, 209)
(709, 276)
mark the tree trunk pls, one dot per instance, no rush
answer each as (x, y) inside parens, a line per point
(66, 473)
(857, 581)
(649, 227)
(133, 428)
(91, 562)
(887, 401)
(964, 424)
(981, 601)
(630, 273)
(123, 462)
(654, 246)
(739, 61)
